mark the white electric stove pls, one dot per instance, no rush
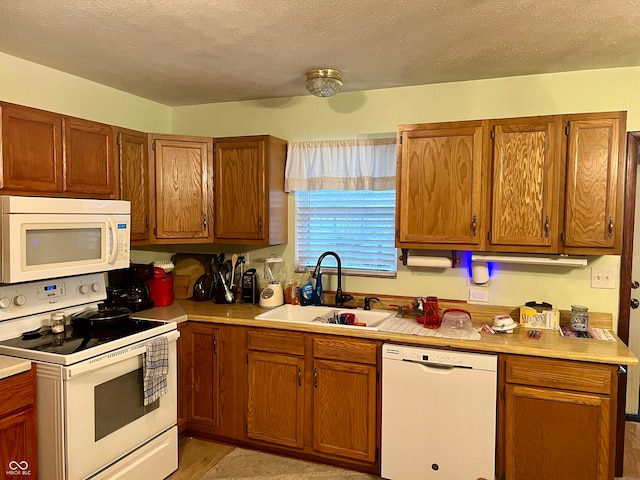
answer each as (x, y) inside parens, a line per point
(92, 422)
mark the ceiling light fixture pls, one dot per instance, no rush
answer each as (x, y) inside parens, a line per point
(323, 82)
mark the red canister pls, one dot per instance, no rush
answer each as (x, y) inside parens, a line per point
(161, 288)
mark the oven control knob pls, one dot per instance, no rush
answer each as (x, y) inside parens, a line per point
(4, 302)
(84, 288)
(19, 300)
(95, 287)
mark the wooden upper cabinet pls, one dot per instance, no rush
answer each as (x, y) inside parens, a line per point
(31, 151)
(250, 206)
(182, 172)
(89, 166)
(45, 153)
(134, 180)
(526, 169)
(440, 201)
(594, 183)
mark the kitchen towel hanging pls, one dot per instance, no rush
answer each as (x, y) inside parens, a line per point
(155, 368)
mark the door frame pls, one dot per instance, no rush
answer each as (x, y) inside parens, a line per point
(624, 303)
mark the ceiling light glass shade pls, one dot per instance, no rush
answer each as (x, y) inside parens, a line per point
(323, 82)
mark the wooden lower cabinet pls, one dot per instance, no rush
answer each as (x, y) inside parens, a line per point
(275, 399)
(344, 409)
(314, 393)
(18, 425)
(558, 419)
(213, 379)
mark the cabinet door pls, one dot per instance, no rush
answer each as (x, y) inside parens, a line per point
(31, 150)
(89, 167)
(205, 395)
(182, 175)
(594, 185)
(525, 185)
(554, 434)
(344, 409)
(18, 446)
(134, 181)
(439, 194)
(275, 401)
(241, 208)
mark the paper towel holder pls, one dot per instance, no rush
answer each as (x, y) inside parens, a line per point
(405, 255)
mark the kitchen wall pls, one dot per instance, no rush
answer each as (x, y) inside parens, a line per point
(361, 115)
(27, 83)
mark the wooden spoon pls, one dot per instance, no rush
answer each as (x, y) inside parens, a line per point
(234, 261)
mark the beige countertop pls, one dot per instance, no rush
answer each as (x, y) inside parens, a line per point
(551, 344)
(12, 366)
(171, 313)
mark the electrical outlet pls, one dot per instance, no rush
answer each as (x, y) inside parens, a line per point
(476, 295)
(245, 255)
(603, 277)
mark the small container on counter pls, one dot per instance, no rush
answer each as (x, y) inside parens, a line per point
(58, 322)
(579, 318)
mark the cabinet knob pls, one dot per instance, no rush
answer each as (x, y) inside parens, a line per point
(474, 225)
(315, 377)
(204, 223)
(299, 376)
(547, 227)
(635, 303)
(610, 227)
(635, 284)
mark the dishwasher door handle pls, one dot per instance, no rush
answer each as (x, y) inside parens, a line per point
(441, 366)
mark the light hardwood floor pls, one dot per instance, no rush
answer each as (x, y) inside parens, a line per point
(198, 456)
(631, 466)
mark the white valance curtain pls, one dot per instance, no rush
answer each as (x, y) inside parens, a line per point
(341, 165)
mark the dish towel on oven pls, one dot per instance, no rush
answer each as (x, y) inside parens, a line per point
(155, 368)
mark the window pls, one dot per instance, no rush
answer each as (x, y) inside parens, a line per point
(358, 225)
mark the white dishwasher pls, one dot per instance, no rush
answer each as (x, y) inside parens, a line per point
(438, 414)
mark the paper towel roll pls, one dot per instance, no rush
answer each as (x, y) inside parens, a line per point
(426, 261)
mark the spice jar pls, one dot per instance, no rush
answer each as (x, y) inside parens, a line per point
(57, 322)
(579, 318)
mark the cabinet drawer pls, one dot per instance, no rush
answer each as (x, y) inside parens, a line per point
(276, 341)
(17, 392)
(561, 374)
(348, 350)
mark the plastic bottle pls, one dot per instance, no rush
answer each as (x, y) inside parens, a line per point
(317, 291)
(306, 289)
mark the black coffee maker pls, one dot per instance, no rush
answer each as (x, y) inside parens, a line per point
(128, 287)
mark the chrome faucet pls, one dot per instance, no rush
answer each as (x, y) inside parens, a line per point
(341, 298)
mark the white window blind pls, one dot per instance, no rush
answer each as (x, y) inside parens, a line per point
(358, 225)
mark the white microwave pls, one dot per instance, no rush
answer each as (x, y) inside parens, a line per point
(56, 237)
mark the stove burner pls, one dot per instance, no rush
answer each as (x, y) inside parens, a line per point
(76, 339)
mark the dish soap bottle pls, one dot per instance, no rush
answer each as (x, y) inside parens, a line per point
(306, 289)
(317, 291)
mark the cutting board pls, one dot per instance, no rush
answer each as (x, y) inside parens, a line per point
(185, 274)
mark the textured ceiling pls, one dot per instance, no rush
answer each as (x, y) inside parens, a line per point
(182, 52)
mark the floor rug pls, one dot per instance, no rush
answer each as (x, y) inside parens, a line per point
(243, 464)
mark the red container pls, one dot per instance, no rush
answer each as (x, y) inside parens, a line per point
(431, 311)
(161, 288)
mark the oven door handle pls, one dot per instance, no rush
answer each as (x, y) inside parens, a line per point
(110, 358)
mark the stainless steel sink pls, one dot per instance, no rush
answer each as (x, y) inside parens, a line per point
(321, 315)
